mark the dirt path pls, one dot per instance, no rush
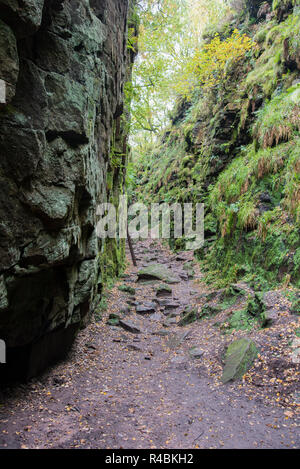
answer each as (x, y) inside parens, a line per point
(143, 390)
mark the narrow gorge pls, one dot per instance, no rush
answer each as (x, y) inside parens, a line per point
(149, 226)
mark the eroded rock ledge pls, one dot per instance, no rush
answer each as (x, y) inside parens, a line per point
(65, 63)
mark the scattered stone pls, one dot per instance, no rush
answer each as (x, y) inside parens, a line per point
(209, 296)
(185, 335)
(175, 340)
(91, 346)
(190, 315)
(125, 310)
(183, 256)
(239, 358)
(163, 290)
(172, 314)
(150, 258)
(156, 317)
(129, 326)
(168, 304)
(295, 355)
(269, 318)
(209, 310)
(127, 289)
(178, 359)
(241, 289)
(188, 267)
(183, 276)
(257, 308)
(132, 303)
(266, 307)
(112, 322)
(180, 258)
(157, 272)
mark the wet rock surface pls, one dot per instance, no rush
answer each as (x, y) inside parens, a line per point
(240, 356)
(143, 385)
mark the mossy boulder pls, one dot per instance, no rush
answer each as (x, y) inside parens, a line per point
(239, 358)
(295, 309)
(163, 290)
(157, 272)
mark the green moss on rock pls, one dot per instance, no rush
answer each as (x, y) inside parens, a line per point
(157, 272)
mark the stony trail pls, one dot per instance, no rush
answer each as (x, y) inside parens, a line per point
(120, 389)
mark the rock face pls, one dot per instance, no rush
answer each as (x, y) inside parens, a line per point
(65, 63)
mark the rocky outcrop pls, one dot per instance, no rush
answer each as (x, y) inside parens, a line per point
(65, 63)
